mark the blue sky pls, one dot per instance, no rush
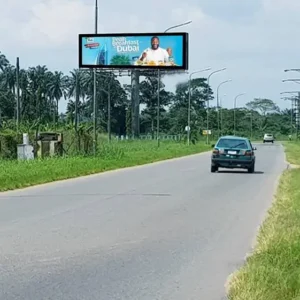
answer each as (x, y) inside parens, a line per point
(254, 39)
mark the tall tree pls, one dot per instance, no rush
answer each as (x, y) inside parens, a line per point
(149, 97)
(200, 92)
(265, 107)
(57, 88)
(3, 62)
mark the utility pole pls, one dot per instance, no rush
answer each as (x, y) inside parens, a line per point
(297, 108)
(95, 87)
(18, 93)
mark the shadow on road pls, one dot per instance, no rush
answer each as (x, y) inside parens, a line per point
(240, 172)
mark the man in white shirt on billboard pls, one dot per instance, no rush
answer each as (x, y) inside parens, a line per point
(154, 55)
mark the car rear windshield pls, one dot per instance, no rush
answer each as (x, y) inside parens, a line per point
(232, 143)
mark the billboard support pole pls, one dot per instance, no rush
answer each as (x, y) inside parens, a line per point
(109, 107)
(135, 102)
(95, 87)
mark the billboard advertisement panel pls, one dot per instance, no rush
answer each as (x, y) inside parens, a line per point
(135, 50)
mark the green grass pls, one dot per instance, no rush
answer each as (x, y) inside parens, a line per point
(272, 272)
(18, 174)
(292, 150)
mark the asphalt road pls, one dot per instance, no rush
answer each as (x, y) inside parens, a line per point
(167, 231)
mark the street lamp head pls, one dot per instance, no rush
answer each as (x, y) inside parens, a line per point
(199, 71)
(292, 92)
(242, 94)
(202, 70)
(220, 70)
(178, 25)
(288, 70)
(215, 72)
(187, 22)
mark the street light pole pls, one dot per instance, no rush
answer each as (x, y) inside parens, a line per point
(189, 104)
(234, 111)
(292, 99)
(95, 87)
(158, 86)
(207, 114)
(221, 115)
(251, 124)
(218, 104)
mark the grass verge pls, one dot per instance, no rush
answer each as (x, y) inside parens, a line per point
(272, 272)
(18, 174)
(292, 150)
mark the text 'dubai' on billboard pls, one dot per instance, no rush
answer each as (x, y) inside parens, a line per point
(136, 50)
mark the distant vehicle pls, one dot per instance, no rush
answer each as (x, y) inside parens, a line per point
(233, 152)
(268, 138)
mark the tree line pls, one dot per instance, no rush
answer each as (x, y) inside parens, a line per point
(41, 91)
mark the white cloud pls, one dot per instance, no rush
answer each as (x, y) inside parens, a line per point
(56, 23)
(255, 49)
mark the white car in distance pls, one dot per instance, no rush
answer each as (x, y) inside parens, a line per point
(268, 138)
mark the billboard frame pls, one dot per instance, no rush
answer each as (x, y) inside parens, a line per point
(185, 51)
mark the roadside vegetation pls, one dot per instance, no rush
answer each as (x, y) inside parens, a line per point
(17, 174)
(126, 136)
(272, 272)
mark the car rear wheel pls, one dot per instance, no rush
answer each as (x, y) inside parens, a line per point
(251, 169)
(213, 169)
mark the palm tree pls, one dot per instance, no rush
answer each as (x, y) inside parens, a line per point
(57, 87)
(9, 79)
(26, 106)
(38, 79)
(3, 62)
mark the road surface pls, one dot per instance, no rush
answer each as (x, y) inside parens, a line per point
(167, 231)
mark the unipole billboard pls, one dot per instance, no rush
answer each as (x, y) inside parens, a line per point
(163, 51)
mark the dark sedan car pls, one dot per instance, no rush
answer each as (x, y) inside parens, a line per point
(233, 152)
